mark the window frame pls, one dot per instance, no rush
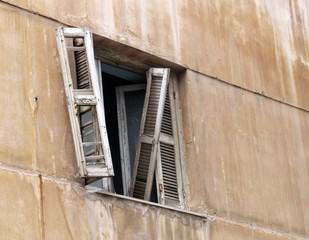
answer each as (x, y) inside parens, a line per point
(123, 133)
(182, 177)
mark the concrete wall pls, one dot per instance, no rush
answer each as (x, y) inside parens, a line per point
(260, 45)
(251, 162)
(247, 153)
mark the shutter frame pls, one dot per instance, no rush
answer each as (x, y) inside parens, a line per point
(146, 152)
(93, 169)
(166, 174)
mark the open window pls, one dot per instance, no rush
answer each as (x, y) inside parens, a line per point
(143, 127)
(130, 102)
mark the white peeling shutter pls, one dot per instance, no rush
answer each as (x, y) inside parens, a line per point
(168, 171)
(146, 153)
(85, 103)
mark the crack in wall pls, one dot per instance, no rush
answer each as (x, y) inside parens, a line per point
(123, 201)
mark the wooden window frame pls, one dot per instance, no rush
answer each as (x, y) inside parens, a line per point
(113, 59)
(123, 133)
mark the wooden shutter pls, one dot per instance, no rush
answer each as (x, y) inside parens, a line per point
(146, 153)
(168, 171)
(85, 103)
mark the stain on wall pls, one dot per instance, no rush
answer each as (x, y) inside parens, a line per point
(247, 153)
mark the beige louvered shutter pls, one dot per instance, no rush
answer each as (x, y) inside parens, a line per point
(85, 103)
(168, 171)
(146, 153)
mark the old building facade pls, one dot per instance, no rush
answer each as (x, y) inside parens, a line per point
(242, 70)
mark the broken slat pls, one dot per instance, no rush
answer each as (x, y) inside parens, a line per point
(85, 100)
(88, 144)
(97, 157)
(76, 48)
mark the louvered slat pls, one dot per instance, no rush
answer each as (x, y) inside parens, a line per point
(142, 170)
(169, 171)
(167, 127)
(153, 104)
(82, 73)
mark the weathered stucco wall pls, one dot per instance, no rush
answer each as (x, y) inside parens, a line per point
(36, 207)
(37, 133)
(46, 207)
(247, 154)
(259, 45)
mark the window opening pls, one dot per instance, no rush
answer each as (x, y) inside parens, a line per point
(94, 99)
(114, 81)
(130, 103)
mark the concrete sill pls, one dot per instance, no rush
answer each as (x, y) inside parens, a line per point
(90, 189)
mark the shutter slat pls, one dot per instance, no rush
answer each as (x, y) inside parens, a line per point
(169, 170)
(152, 110)
(167, 119)
(142, 171)
(82, 72)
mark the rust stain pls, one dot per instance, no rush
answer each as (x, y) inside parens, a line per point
(75, 107)
(161, 187)
(42, 206)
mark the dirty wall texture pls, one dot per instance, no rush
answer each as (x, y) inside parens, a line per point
(34, 207)
(46, 207)
(259, 45)
(252, 160)
(37, 133)
(247, 153)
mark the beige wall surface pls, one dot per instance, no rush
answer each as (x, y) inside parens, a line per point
(35, 207)
(37, 133)
(225, 231)
(247, 154)
(260, 45)
(44, 207)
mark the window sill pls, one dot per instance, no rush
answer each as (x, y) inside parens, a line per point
(90, 189)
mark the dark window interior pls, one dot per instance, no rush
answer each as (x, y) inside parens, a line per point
(109, 92)
(113, 77)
